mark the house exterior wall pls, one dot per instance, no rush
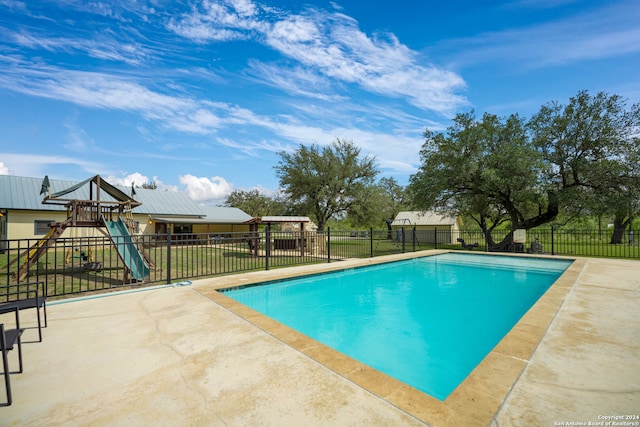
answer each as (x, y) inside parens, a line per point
(145, 226)
(220, 228)
(446, 234)
(21, 224)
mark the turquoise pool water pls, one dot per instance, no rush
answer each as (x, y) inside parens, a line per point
(426, 322)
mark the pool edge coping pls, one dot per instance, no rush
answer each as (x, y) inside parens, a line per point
(475, 401)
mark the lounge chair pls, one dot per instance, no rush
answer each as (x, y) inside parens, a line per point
(468, 246)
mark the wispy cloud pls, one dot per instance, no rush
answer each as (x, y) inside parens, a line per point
(217, 21)
(180, 112)
(100, 90)
(37, 165)
(609, 31)
(14, 5)
(297, 81)
(100, 48)
(329, 45)
(172, 81)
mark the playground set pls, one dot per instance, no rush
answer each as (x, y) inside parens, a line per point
(112, 217)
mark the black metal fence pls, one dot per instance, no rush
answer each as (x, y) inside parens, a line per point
(98, 264)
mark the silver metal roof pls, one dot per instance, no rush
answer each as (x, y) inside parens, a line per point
(224, 215)
(23, 193)
(214, 215)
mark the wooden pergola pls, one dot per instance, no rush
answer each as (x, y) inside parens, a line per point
(254, 223)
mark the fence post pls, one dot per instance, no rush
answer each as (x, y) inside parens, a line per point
(435, 237)
(268, 246)
(553, 252)
(168, 255)
(370, 242)
(414, 238)
(403, 240)
(328, 244)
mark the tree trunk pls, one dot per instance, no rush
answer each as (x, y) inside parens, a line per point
(505, 245)
(619, 225)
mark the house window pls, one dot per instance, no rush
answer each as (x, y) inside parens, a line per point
(41, 227)
(182, 228)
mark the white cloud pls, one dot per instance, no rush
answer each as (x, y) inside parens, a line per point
(4, 169)
(298, 81)
(38, 165)
(215, 21)
(98, 47)
(99, 90)
(244, 7)
(396, 150)
(14, 5)
(136, 178)
(329, 45)
(204, 189)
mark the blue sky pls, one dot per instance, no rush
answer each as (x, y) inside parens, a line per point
(200, 96)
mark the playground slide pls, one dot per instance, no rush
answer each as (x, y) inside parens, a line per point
(128, 251)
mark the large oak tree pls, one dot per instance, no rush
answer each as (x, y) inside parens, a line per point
(505, 169)
(325, 182)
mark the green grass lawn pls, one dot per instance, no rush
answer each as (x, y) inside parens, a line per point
(65, 273)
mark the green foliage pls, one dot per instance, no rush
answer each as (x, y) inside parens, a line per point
(486, 170)
(151, 185)
(326, 182)
(254, 203)
(582, 157)
(384, 200)
(592, 148)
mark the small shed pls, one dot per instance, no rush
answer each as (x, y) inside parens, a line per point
(428, 226)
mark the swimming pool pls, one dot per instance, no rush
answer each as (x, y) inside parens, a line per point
(426, 322)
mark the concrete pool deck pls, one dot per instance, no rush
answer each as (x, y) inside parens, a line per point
(188, 355)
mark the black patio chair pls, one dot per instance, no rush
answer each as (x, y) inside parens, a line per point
(8, 340)
(25, 296)
(468, 246)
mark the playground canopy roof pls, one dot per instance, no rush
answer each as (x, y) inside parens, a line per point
(116, 194)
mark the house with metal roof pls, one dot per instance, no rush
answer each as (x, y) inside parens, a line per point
(216, 220)
(24, 216)
(428, 225)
